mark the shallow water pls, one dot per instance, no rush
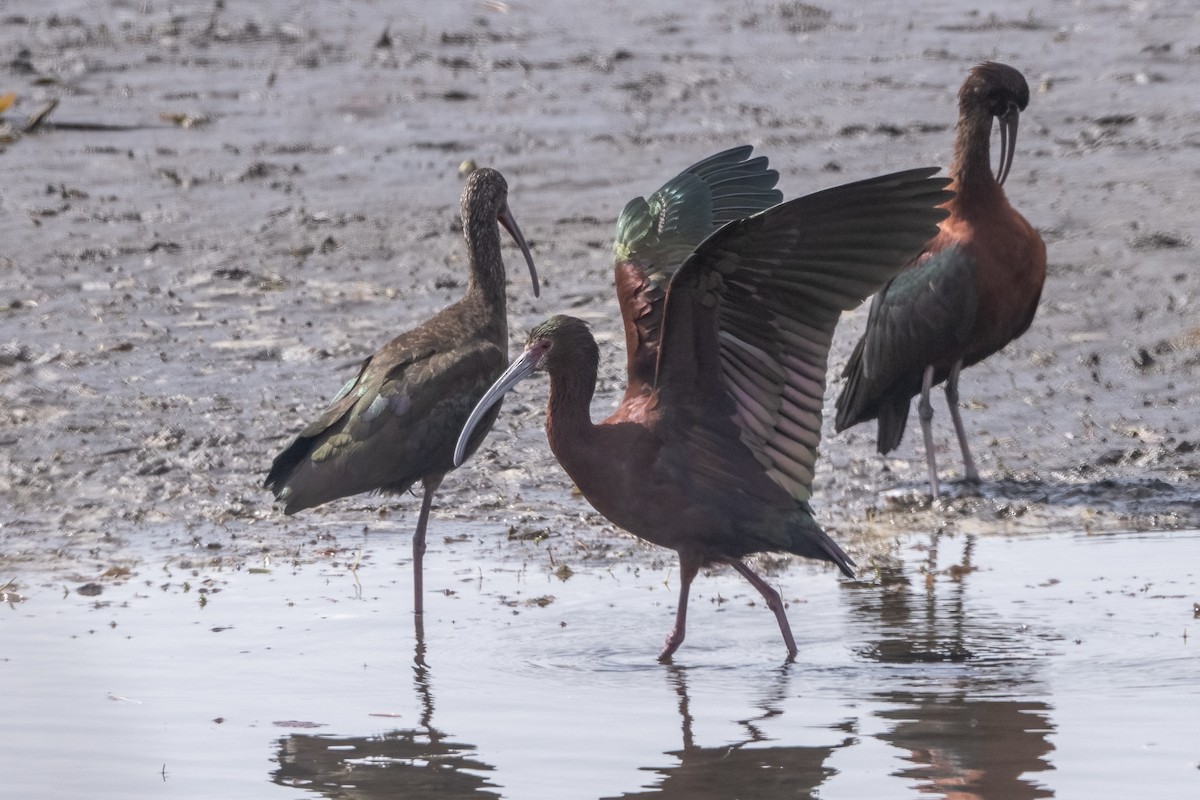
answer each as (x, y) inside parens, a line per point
(967, 666)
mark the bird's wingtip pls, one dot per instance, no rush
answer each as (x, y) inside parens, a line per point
(847, 566)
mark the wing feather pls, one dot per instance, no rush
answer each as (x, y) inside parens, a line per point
(751, 313)
(923, 310)
(364, 441)
(654, 236)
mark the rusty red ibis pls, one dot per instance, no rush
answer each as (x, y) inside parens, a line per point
(973, 290)
(396, 421)
(711, 452)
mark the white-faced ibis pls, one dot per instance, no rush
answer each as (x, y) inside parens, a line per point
(396, 421)
(713, 455)
(973, 290)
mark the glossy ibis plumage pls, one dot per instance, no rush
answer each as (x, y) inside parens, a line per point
(711, 452)
(396, 421)
(973, 290)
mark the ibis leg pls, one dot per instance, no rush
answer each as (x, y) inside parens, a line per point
(431, 485)
(972, 474)
(688, 567)
(774, 602)
(925, 413)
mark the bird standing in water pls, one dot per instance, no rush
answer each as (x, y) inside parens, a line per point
(974, 289)
(711, 451)
(396, 421)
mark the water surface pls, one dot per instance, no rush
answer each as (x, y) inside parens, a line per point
(966, 666)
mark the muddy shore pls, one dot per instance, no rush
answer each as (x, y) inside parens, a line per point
(231, 206)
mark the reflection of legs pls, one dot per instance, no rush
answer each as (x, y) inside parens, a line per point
(925, 413)
(421, 679)
(972, 475)
(419, 641)
(688, 567)
(678, 677)
(431, 485)
(774, 602)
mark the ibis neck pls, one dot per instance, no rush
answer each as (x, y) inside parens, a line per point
(485, 276)
(971, 169)
(569, 409)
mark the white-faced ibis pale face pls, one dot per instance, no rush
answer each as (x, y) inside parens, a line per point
(973, 290)
(713, 454)
(396, 422)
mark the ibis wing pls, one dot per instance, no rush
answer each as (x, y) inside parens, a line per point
(655, 235)
(750, 316)
(396, 420)
(914, 320)
(658, 234)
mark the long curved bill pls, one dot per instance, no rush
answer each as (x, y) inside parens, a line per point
(506, 219)
(1008, 141)
(520, 369)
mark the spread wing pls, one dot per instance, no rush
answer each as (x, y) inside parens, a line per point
(749, 317)
(655, 235)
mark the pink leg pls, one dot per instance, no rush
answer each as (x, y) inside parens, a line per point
(925, 413)
(774, 602)
(972, 474)
(431, 485)
(688, 567)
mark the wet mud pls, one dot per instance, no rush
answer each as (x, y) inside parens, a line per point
(230, 206)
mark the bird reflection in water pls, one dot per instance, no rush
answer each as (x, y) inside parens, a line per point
(745, 768)
(963, 704)
(409, 762)
(964, 749)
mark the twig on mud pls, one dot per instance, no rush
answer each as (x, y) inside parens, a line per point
(38, 121)
(38, 117)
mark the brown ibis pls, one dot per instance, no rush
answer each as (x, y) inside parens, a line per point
(396, 421)
(973, 290)
(711, 451)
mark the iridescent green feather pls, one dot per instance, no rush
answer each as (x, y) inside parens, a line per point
(659, 233)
